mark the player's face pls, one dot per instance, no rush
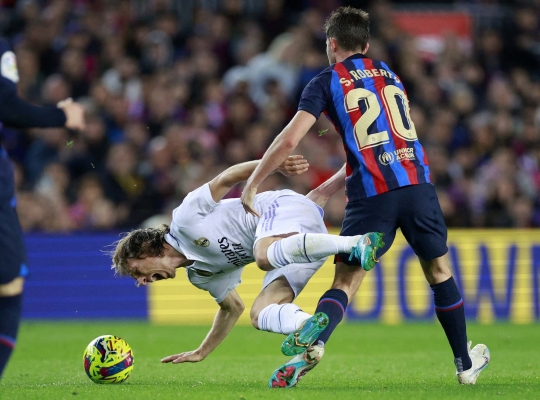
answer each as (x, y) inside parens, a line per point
(151, 269)
(329, 52)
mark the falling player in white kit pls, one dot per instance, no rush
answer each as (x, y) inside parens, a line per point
(213, 238)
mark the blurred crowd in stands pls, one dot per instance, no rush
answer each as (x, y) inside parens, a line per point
(176, 91)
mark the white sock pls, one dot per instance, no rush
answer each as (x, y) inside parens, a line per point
(308, 247)
(282, 318)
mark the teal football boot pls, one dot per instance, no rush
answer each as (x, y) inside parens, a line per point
(302, 338)
(288, 375)
(365, 249)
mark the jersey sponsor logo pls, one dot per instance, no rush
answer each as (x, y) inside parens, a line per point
(203, 242)
(398, 155)
(8, 66)
(386, 158)
(406, 153)
(234, 252)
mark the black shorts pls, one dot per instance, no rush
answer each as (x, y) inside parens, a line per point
(414, 209)
(12, 250)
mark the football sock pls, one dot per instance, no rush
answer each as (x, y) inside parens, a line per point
(451, 315)
(10, 311)
(282, 318)
(308, 247)
(333, 303)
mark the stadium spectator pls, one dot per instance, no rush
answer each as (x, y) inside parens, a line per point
(215, 85)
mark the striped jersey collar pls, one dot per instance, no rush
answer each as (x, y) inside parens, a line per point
(355, 56)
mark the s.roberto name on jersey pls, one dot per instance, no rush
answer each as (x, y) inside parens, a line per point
(235, 252)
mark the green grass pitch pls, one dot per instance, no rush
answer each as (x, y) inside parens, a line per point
(362, 361)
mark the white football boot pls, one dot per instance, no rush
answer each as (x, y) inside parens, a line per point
(480, 359)
(288, 375)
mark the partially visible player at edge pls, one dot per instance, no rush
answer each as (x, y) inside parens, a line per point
(386, 176)
(17, 113)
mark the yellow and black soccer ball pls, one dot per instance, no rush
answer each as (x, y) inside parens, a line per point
(108, 359)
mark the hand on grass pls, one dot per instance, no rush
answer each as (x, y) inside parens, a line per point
(188, 356)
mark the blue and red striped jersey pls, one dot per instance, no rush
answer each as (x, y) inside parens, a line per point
(369, 108)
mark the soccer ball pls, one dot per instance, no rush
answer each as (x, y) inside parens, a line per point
(108, 359)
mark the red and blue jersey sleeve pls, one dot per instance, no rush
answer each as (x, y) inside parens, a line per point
(316, 94)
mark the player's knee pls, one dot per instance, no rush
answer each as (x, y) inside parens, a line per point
(13, 288)
(254, 315)
(262, 259)
(260, 252)
(264, 265)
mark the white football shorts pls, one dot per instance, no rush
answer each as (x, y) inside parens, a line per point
(286, 214)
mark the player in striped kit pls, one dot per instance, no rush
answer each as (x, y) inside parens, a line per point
(387, 184)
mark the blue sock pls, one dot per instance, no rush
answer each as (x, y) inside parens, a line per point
(451, 315)
(333, 303)
(10, 310)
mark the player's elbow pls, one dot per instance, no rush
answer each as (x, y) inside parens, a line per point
(240, 308)
(235, 307)
(288, 143)
(226, 179)
(254, 316)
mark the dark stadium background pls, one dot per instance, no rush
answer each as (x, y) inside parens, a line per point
(176, 91)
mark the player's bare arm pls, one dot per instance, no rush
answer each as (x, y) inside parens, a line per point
(221, 184)
(325, 190)
(283, 145)
(229, 311)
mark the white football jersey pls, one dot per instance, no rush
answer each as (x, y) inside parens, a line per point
(219, 237)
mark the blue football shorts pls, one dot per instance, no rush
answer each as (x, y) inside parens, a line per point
(414, 209)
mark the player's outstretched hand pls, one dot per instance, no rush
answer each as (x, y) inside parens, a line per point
(293, 165)
(248, 197)
(188, 356)
(74, 114)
